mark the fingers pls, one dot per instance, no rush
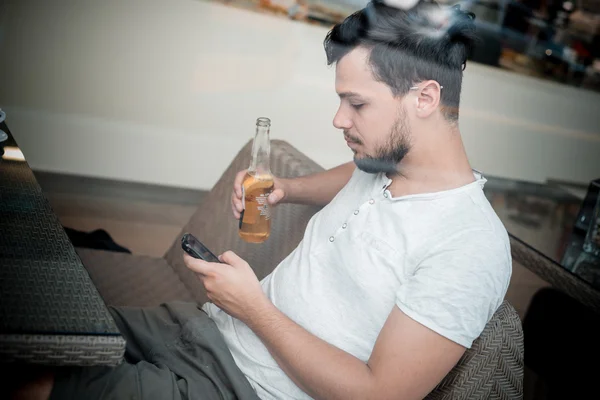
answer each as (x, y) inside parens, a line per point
(237, 183)
(236, 195)
(197, 265)
(229, 257)
(236, 206)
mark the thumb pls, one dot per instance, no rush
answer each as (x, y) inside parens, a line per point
(275, 196)
(229, 257)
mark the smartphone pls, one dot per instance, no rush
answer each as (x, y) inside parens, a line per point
(196, 249)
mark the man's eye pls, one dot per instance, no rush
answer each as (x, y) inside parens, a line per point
(357, 106)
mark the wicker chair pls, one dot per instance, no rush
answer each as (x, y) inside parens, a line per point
(492, 368)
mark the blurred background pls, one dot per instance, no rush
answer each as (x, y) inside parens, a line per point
(145, 90)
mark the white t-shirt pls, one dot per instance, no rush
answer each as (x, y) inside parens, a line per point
(443, 258)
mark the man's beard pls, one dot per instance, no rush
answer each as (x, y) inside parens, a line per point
(388, 156)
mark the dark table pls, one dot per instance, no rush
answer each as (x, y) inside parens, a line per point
(547, 230)
(50, 311)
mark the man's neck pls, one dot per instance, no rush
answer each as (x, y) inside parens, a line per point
(439, 163)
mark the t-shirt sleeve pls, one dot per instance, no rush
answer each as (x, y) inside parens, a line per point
(455, 290)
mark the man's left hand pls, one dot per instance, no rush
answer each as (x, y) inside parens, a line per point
(231, 285)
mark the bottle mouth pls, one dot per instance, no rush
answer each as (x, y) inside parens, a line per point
(263, 121)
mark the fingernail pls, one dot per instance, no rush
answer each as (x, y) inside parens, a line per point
(272, 198)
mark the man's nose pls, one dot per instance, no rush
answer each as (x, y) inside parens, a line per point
(341, 120)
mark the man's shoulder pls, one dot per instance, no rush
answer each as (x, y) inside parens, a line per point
(470, 233)
(477, 232)
(459, 219)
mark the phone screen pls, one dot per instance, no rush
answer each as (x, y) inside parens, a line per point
(196, 249)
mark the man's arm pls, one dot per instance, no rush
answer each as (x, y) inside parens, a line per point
(315, 189)
(408, 360)
(319, 188)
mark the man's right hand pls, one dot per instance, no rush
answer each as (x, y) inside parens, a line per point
(277, 196)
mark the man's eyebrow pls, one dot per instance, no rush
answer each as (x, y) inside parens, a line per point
(344, 95)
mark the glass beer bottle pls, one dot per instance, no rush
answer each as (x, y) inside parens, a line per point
(255, 219)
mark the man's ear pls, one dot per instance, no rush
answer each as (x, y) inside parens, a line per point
(428, 98)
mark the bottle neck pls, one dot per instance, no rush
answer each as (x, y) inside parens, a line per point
(261, 152)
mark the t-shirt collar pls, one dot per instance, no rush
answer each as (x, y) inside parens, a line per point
(480, 180)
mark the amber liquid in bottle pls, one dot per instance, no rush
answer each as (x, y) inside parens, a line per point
(255, 221)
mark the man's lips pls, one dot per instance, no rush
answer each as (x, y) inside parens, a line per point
(352, 144)
(350, 140)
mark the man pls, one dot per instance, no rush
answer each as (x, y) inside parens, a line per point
(407, 262)
(396, 275)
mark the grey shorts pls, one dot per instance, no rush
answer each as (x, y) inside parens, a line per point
(174, 351)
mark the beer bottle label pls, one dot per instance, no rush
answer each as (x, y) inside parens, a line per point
(263, 206)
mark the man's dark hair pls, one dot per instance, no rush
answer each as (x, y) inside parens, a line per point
(426, 42)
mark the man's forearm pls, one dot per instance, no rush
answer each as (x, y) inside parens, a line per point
(320, 188)
(320, 369)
